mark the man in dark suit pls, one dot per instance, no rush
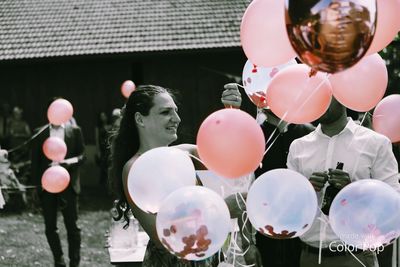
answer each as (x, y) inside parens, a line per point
(67, 200)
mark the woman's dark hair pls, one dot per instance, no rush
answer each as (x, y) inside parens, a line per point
(125, 141)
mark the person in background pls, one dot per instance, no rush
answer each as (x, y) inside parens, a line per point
(102, 131)
(279, 135)
(336, 153)
(115, 118)
(65, 201)
(18, 132)
(4, 118)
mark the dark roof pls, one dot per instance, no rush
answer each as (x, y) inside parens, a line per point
(51, 28)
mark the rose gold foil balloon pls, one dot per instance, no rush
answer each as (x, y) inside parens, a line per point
(331, 35)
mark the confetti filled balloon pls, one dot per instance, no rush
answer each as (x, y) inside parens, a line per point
(330, 35)
(364, 214)
(193, 223)
(281, 204)
(256, 80)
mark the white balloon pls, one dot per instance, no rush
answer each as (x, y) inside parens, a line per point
(365, 214)
(193, 223)
(156, 174)
(225, 186)
(256, 80)
(281, 203)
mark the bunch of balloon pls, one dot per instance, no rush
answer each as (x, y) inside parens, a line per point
(56, 178)
(127, 88)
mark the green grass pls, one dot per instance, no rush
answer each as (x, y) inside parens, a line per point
(23, 242)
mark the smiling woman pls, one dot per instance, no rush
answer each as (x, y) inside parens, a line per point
(150, 120)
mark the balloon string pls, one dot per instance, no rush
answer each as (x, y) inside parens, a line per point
(285, 114)
(219, 256)
(30, 139)
(244, 215)
(234, 247)
(313, 92)
(241, 86)
(258, 112)
(308, 98)
(357, 259)
(364, 117)
(196, 158)
(273, 142)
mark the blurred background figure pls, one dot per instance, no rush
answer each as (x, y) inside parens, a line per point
(4, 117)
(115, 118)
(14, 191)
(17, 132)
(102, 131)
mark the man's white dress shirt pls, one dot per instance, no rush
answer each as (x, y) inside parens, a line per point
(365, 154)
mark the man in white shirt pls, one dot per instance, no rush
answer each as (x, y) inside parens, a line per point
(362, 154)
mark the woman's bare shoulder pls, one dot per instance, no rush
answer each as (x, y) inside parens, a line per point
(190, 148)
(128, 165)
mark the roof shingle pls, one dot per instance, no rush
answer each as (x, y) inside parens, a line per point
(51, 28)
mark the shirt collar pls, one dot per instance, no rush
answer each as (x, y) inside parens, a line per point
(350, 126)
(62, 126)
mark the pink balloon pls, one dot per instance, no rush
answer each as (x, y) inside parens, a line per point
(54, 148)
(362, 86)
(230, 143)
(60, 111)
(386, 119)
(263, 33)
(55, 179)
(127, 88)
(296, 98)
(388, 25)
